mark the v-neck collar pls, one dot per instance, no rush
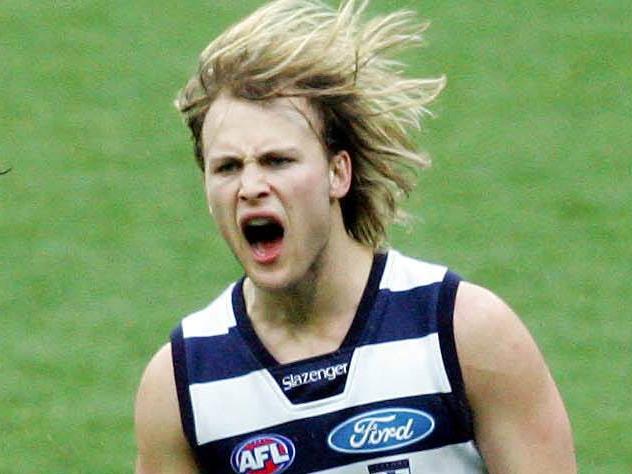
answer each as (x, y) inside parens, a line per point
(353, 336)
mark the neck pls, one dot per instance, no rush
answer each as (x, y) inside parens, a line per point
(328, 295)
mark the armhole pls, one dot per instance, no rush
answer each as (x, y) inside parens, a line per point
(445, 321)
(180, 372)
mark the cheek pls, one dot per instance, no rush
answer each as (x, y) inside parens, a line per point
(224, 224)
(313, 184)
(219, 203)
(218, 195)
(309, 197)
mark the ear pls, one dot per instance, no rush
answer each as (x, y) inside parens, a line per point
(340, 173)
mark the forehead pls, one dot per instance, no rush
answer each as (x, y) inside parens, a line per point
(243, 126)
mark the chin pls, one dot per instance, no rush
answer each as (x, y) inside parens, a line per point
(271, 281)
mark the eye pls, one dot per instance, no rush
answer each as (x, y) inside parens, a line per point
(227, 166)
(276, 161)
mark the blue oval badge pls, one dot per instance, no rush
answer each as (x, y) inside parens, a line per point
(381, 430)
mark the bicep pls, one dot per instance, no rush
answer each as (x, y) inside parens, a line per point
(520, 421)
(162, 447)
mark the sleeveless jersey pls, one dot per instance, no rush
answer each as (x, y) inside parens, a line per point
(390, 400)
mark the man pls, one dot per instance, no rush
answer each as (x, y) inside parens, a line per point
(333, 354)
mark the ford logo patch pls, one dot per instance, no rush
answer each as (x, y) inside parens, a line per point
(381, 430)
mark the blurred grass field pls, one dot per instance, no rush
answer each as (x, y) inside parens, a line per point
(105, 241)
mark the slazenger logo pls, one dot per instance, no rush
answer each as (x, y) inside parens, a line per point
(381, 430)
(330, 373)
(265, 454)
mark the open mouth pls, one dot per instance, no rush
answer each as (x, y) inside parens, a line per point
(265, 236)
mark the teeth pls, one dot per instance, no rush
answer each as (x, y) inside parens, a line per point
(260, 221)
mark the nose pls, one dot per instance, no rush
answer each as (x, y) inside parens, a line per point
(253, 183)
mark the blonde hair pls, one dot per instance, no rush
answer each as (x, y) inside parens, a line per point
(345, 68)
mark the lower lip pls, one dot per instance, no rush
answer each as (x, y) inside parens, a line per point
(267, 253)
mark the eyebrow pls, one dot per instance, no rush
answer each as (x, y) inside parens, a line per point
(266, 153)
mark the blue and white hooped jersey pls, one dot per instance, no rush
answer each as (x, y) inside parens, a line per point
(390, 400)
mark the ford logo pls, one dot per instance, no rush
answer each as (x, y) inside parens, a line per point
(381, 430)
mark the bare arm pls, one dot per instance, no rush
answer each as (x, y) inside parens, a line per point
(520, 421)
(162, 447)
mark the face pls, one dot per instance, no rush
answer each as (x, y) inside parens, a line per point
(270, 187)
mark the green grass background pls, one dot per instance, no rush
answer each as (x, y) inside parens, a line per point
(105, 241)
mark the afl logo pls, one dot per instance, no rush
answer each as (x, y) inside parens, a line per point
(264, 454)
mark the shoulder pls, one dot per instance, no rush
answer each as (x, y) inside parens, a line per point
(156, 407)
(402, 272)
(215, 319)
(162, 447)
(159, 371)
(490, 338)
(520, 421)
(492, 343)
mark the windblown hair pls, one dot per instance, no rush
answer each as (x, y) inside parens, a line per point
(344, 66)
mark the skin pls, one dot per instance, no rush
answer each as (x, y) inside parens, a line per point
(520, 422)
(282, 170)
(162, 447)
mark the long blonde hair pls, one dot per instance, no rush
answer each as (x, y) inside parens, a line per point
(344, 66)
